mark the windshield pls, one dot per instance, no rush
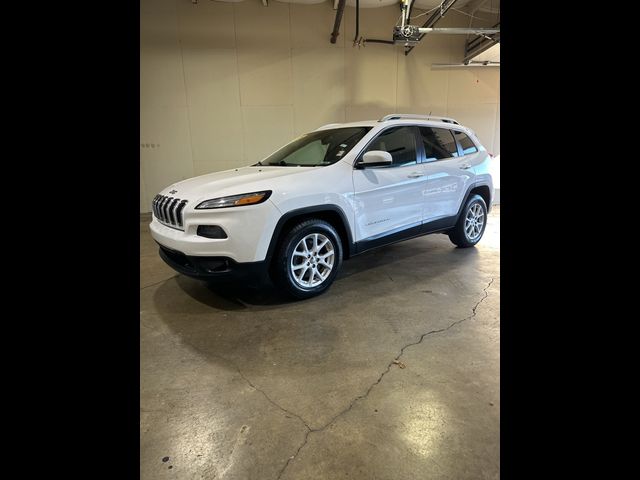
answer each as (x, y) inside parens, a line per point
(316, 149)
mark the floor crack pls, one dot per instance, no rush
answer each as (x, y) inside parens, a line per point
(158, 283)
(269, 399)
(371, 387)
(396, 360)
(277, 405)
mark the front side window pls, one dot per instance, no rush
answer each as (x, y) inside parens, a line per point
(316, 149)
(438, 143)
(466, 143)
(400, 142)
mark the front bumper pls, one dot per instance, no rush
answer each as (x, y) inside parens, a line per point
(213, 268)
(248, 229)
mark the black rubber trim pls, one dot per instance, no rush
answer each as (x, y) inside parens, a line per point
(218, 232)
(476, 185)
(368, 244)
(212, 268)
(304, 211)
(435, 226)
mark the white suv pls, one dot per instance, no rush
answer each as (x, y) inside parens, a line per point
(328, 195)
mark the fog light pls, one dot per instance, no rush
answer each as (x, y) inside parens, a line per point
(211, 231)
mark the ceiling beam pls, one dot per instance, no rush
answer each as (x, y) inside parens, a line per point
(431, 21)
(478, 45)
(461, 31)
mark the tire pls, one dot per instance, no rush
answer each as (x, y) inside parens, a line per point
(293, 268)
(466, 234)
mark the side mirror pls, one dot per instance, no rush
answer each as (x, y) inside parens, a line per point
(376, 158)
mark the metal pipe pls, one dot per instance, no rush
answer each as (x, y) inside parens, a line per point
(437, 15)
(355, 39)
(461, 31)
(336, 25)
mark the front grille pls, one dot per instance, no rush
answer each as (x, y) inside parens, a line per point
(168, 210)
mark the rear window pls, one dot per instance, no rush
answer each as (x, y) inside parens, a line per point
(466, 143)
(438, 143)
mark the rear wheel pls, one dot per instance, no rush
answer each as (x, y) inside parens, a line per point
(308, 259)
(471, 224)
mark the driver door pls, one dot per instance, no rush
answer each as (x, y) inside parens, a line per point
(389, 199)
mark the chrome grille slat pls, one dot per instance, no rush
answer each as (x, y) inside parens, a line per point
(161, 207)
(155, 212)
(153, 206)
(172, 211)
(165, 209)
(179, 211)
(168, 210)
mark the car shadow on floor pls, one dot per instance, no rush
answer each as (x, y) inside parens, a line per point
(371, 265)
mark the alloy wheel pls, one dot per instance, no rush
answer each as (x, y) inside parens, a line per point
(312, 260)
(474, 221)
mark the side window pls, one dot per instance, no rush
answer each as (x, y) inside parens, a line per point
(400, 142)
(466, 143)
(438, 143)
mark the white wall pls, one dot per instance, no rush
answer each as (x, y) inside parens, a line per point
(224, 84)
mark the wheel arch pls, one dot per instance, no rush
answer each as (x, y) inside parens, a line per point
(481, 189)
(484, 192)
(329, 213)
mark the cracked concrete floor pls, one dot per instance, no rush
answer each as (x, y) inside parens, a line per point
(392, 374)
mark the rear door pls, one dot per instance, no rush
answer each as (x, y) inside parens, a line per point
(449, 173)
(390, 199)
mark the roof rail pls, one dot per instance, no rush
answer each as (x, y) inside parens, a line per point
(397, 116)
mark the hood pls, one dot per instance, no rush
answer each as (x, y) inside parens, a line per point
(231, 182)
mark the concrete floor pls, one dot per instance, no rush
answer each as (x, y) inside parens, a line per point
(392, 374)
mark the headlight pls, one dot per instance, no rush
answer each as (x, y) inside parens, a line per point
(235, 200)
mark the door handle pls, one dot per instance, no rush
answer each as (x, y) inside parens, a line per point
(466, 166)
(416, 175)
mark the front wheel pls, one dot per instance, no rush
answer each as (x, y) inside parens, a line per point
(471, 223)
(308, 259)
